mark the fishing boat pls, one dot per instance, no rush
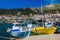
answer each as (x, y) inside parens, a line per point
(43, 30)
(49, 29)
(58, 25)
(46, 28)
(20, 30)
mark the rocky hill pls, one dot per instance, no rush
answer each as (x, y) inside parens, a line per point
(27, 11)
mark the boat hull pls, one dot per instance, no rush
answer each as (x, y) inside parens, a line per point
(58, 29)
(19, 33)
(42, 30)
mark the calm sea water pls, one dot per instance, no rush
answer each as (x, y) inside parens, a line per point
(3, 30)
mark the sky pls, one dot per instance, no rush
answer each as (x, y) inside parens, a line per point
(25, 3)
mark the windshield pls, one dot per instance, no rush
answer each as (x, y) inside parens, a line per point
(17, 24)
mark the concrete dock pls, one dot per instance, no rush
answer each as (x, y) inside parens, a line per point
(43, 37)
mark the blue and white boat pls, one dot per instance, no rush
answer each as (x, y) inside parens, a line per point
(20, 31)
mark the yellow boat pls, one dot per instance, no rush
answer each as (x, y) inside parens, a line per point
(42, 30)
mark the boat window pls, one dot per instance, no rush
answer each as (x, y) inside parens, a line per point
(49, 23)
(17, 25)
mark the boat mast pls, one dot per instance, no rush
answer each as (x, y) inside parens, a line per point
(42, 14)
(52, 2)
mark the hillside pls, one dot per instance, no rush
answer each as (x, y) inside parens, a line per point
(27, 11)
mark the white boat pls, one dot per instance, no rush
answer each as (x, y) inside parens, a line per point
(19, 31)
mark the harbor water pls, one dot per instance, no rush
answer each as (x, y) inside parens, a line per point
(3, 30)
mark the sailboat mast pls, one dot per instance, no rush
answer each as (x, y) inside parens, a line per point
(52, 1)
(42, 14)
